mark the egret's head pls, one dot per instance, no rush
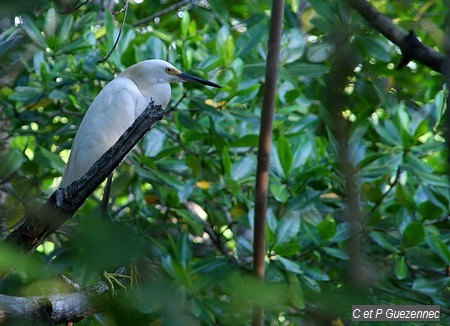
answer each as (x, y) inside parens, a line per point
(159, 72)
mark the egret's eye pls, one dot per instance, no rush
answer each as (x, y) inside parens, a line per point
(172, 71)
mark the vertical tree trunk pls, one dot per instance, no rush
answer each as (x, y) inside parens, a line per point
(265, 139)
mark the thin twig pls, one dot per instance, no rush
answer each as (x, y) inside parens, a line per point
(173, 107)
(118, 35)
(75, 7)
(438, 220)
(162, 12)
(106, 195)
(391, 186)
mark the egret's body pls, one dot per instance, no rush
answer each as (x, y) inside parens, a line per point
(116, 107)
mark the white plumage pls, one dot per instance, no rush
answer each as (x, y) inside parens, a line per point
(116, 107)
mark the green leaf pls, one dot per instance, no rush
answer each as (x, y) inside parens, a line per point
(306, 69)
(404, 197)
(33, 31)
(336, 253)
(285, 155)
(304, 152)
(423, 258)
(431, 286)
(25, 94)
(296, 291)
(225, 45)
(293, 45)
(185, 21)
(432, 180)
(324, 9)
(185, 120)
(381, 86)
(290, 265)
(272, 220)
(243, 168)
(212, 265)
(288, 227)
(375, 47)
(11, 161)
(311, 283)
(65, 31)
(232, 185)
(250, 39)
(413, 235)
(401, 269)
(327, 228)
(279, 191)
(382, 240)
(156, 48)
(390, 138)
(439, 248)
(315, 273)
(343, 232)
(153, 142)
(319, 52)
(51, 21)
(175, 270)
(57, 94)
(287, 249)
(226, 161)
(53, 159)
(245, 141)
(184, 251)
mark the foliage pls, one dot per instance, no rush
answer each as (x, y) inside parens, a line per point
(182, 202)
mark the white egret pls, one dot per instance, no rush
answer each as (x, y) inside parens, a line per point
(116, 107)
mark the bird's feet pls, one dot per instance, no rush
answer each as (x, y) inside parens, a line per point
(115, 279)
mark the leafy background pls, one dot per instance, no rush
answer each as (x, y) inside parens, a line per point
(182, 202)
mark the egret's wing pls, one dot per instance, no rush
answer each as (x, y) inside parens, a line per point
(111, 113)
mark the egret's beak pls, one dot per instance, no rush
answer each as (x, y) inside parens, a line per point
(188, 77)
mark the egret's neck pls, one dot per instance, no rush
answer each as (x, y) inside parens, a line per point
(160, 92)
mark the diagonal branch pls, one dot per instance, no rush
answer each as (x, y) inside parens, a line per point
(412, 48)
(64, 202)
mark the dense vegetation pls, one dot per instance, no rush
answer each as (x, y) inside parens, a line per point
(359, 192)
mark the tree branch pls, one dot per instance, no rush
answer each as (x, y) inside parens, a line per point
(173, 7)
(55, 308)
(125, 8)
(265, 140)
(412, 48)
(64, 202)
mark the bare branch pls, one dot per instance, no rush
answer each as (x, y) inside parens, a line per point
(409, 44)
(391, 186)
(125, 7)
(265, 140)
(75, 7)
(55, 308)
(63, 203)
(171, 8)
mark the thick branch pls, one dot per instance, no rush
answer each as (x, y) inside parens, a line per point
(55, 308)
(409, 44)
(63, 203)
